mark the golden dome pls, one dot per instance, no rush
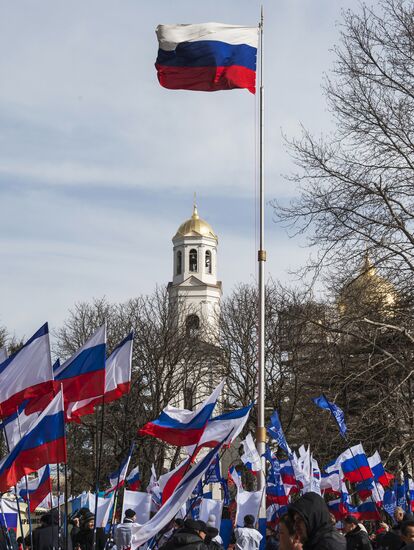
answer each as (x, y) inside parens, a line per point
(368, 288)
(195, 227)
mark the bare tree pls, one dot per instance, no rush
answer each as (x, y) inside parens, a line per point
(168, 365)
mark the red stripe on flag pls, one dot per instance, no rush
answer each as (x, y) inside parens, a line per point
(206, 79)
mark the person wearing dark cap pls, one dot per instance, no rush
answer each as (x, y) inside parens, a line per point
(189, 537)
(247, 537)
(211, 538)
(122, 534)
(356, 538)
(83, 540)
(313, 525)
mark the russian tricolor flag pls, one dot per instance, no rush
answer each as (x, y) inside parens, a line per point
(37, 489)
(207, 57)
(117, 380)
(287, 473)
(83, 375)
(354, 464)
(134, 479)
(378, 470)
(27, 373)
(43, 444)
(180, 426)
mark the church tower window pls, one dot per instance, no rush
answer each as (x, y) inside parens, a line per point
(208, 261)
(179, 262)
(193, 259)
(192, 325)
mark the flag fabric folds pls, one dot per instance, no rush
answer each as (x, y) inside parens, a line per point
(37, 489)
(27, 373)
(251, 457)
(230, 424)
(276, 432)
(117, 380)
(354, 464)
(180, 426)
(142, 533)
(336, 412)
(378, 470)
(43, 444)
(117, 478)
(207, 57)
(134, 479)
(17, 424)
(83, 375)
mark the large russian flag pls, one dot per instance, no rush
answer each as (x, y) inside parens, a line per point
(83, 375)
(27, 373)
(117, 380)
(207, 57)
(354, 464)
(37, 489)
(180, 426)
(43, 444)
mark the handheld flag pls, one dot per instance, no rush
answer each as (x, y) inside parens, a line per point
(180, 426)
(337, 413)
(142, 533)
(37, 489)
(117, 478)
(83, 375)
(43, 444)
(117, 380)
(134, 479)
(27, 373)
(207, 57)
(276, 432)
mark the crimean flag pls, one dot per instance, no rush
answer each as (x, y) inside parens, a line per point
(207, 57)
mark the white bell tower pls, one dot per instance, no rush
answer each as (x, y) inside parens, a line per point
(194, 290)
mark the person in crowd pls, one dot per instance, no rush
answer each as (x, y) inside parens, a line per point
(288, 539)
(46, 536)
(313, 524)
(356, 538)
(407, 534)
(83, 540)
(272, 541)
(189, 537)
(211, 522)
(77, 519)
(211, 538)
(401, 516)
(122, 533)
(247, 537)
(165, 535)
(378, 534)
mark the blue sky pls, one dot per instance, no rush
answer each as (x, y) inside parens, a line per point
(98, 163)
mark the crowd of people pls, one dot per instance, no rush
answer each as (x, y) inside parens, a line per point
(308, 525)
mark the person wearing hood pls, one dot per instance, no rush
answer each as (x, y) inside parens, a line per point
(247, 537)
(313, 524)
(189, 537)
(356, 538)
(122, 534)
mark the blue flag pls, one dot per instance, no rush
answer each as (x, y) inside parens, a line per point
(275, 431)
(337, 413)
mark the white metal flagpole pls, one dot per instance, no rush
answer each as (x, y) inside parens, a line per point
(261, 258)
